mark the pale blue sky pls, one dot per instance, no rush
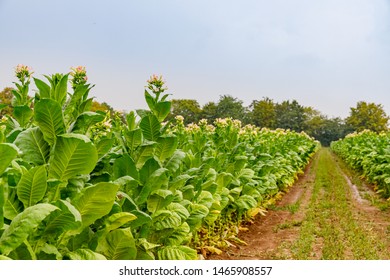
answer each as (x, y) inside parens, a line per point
(328, 54)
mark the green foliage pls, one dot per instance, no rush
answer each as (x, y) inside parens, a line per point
(263, 113)
(6, 102)
(368, 152)
(368, 116)
(290, 115)
(22, 226)
(189, 108)
(230, 107)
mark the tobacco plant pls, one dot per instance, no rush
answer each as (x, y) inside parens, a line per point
(76, 184)
(368, 153)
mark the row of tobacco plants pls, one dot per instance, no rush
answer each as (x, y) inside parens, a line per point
(368, 153)
(76, 184)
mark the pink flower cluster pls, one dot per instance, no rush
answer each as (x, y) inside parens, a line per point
(79, 71)
(22, 72)
(156, 83)
(79, 75)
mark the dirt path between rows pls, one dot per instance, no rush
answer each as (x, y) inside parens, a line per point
(272, 236)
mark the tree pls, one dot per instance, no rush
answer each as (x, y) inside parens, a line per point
(96, 106)
(188, 108)
(230, 107)
(263, 113)
(290, 115)
(209, 112)
(368, 116)
(6, 102)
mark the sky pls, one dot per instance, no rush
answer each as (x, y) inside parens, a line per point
(327, 54)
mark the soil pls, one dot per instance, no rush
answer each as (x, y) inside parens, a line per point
(271, 236)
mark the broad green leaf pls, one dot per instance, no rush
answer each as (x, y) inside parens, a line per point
(224, 179)
(104, 146)
(85, 254)
(179, 209)
(72, 106)
(120, 245)
(74, 154)
(13, 206)
(197, 213)
(4, 258)
(179, 181)
(95, 202)
(133, 138)
(166, 146)
(157, 180)
(211, 187)
(60, 91)
(34, 148)
(150, 127)
(245, 202)
(85, 105)
(159, 199)
(48, 115)
(205, 198)
(117, 220)
(8, 152)
(125, 166)
(164, 219)
(32, 186)
(174, 162)
(85, 121)
(150, 166)
(142, 218)
(162, 110)
(66, 217)
(177, 253)
(23, 225)
(44, 89)
(150, 100)
(240, 162)
(23, 114)
(180, 235)
(246, 174)
(144, 152)
(131, 121)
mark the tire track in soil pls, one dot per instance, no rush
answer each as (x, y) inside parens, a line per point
(370, 217)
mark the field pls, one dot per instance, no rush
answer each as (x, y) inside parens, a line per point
(83, 185)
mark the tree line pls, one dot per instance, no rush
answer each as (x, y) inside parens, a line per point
(263, 113)
(286, 114)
